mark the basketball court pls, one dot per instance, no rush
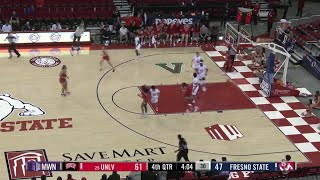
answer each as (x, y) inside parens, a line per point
(100, 120)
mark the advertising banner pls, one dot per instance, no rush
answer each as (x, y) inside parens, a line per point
(44, 37)
(311, 64)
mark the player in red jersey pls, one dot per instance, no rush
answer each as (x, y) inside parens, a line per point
(195, 33)
(185, 33)
(170, 32)
(105, 57)
(147, 35)
(144, 95)
(187, 92)
(63, 81)
(175, 32)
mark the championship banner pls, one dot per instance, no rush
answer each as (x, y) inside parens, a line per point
(182, 20)
(43, 37)
(311, 64)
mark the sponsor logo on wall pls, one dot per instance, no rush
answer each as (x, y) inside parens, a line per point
(174, 20)
(55, 37)
(17, 163)
(45, 61)
(34, 37)
(9, 104)
(224, 132)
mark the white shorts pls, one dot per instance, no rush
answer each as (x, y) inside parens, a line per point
(195, 66)
(138, 47)
(201, 76)
(195, 91)
(154, 100)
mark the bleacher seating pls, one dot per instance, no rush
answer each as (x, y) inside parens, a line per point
(306, 32)
(57, 9)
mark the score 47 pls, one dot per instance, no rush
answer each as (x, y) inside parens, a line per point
(218, 167)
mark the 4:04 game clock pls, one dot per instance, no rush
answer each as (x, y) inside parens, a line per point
(186, 166)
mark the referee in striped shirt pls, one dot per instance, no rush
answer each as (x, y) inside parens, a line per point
(183, 149)
(12, 45)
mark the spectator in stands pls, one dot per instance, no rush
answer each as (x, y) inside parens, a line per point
(59, 178)
(204, 34)
(214, 34)
(127, 20)
(226, 14)
(300, 7)
(212, 173)
(316, 103)
(256, 10)
(77, 35)
(224, 159)
(201, 173)
(205, 19)
(104, 177)
(116, 14)
(132, 30)
(149, 175)
(105, 36)
(271, 19)
(162, 175)
(189, 174)
(287, 158)
(134, 175)
(123, 33)
(195, 33)
(6, 27)
(138, 21)
(69, 177)
(114, 176)
(246, 4)
(308, 112)
(26, 27)
(14, 21)
(56, 26)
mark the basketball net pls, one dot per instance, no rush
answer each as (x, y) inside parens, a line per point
(238, 40)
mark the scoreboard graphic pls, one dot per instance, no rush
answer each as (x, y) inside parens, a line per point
(162, 166)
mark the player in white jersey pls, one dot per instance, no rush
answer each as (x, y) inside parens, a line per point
(138, 46)
(202, 71)
(195, 61)
(155, 94)
(195, 88)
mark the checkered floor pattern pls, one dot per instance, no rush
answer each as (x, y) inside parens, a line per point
(285, 112)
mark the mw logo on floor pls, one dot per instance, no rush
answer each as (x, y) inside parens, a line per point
(17, 163)
(224, 132)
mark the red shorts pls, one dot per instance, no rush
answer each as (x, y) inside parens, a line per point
(61, 80)
(185, 32)
(106, 58)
